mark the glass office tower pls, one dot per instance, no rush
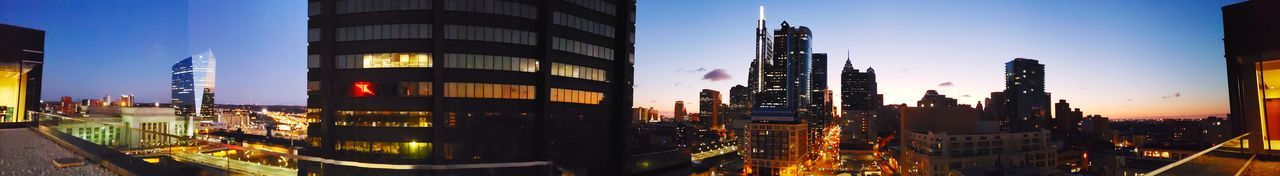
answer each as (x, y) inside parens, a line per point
(193, 86)
(469, 87)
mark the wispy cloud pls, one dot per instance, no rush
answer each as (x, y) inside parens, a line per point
(698, 70)
(946, 84)
(716, 75)
(1175, 95)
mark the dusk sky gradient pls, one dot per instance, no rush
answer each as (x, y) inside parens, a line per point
(1121, 59)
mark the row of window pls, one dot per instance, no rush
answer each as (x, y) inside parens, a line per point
(490, 34)
(408, 150)
(493, 7)
(585, 49)
(486, 90)
(379, 32)
(358, 6)
(597, 5)
(384, 118)
(383, 60)
(576, 96)
(580, 72)
(576, 22)
(490, 62)
(415, 89)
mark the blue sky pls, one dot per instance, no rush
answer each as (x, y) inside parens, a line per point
(1115, 58)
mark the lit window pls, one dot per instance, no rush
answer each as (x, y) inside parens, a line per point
(362, 89)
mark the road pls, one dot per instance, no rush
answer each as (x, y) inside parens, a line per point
(236, 166)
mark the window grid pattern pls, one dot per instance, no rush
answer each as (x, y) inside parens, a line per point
(581, 48)
(490, 34)
(313, 61)
(487, 90)
(381, 32)
(496, 7)
(313, 35)
(580, 72)
(384, 118)
(407, 150)
(415, 89)
(383, 60)
(358, 6)
(582, 24)
(490, 62)
(576, 96)
(596, 5)
(313, 8)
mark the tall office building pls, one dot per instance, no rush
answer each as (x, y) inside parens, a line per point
(739, 98)
(1028, 103)
(21, 68)
(681, 114)
(193, 86)
(709, 109)
(778, 137)
(818, 84)
(1066, 122)
(860, 103)
(497, 87)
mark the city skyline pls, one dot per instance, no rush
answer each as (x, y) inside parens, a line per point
(1128, 36)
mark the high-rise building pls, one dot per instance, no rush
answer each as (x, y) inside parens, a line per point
(497, 87)
(860, 103)
(709, 108)
(1066, 122)
(818, 84)
(739, 98)
(193, 86)
(22, 60)
(1028, 103)
(778, 137)
(681, 114)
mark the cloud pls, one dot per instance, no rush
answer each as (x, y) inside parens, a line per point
(965, 95)
(1175, 95)
(716, 75)
(678, 84)
(699, 70)
(946, 84)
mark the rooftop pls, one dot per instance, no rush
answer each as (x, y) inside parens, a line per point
(25, 152)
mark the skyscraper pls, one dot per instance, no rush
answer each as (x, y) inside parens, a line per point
(739, 98)
(859, 104)
(681, 114)
(709, 109)
(778, 138)
(193, 86)
(817, 85)
(497, 87)
(1028, 105)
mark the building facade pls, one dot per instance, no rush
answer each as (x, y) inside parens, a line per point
(1028, 103)
(503, 87)
(193, 86)
(22, 61)
(1253, 66)
(709, 109)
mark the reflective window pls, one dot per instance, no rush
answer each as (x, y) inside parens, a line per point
(313, 35)
(576, 96)
(490, 62)
(407, 150)
(575, 22)
(597, 5)
(357, 6)
(415, 89)
(486, 90)
(380, 32)
(493, 7)
(581, 48)
(313, 8)
(580, 72)
(490, 34)
(313, 61)
(383, 60)
(384, 118)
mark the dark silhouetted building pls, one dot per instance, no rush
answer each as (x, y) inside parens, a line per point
(497, 87)
(860, 103)
(1066, 122)
(818, 84)
(709, 108)
(681, 114)
(1028, 104)
(22, 63)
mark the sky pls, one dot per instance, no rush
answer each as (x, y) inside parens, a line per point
(1121, 59)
